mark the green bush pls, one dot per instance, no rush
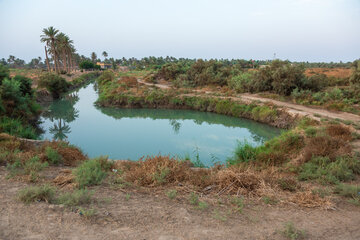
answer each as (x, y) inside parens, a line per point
(325, 171)
(33, 166)
(75, 198)
(17, 128)
(242, 82)
(105, 77)
(88, 65)
(244, 152)
(37, 193)
(53, 156)
(55, 84)
(4, 73)
(90, 172)
(286, 78)
(315, 82)
(25, 84)
(348, 190)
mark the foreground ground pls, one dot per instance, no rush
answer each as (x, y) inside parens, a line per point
(138, 213)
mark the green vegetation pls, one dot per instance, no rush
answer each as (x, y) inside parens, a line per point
(325, 170)
(171, 194)
(84, 78)
(18, 108)
(75, 198)
(55, 84)
(291, 232)
(37, 193)
(17, 128)
(88, 65)
(31, 167)
(91, 172)
(238, 202)
(53, 156)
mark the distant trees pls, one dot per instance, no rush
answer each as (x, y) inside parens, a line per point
(60, 47)
(87, 65)
(93, 57)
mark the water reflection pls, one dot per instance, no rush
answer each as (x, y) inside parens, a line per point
(133, 133)
(61, 113)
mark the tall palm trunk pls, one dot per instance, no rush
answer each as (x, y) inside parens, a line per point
(54, 56)
(64, 60)
(47, 60)
(70, 61)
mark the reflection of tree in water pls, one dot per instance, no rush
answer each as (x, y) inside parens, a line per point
(61, 113)
(59, 130)
(258, 138)
(175, 125)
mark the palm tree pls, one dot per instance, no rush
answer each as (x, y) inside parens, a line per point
(49, 37)
(93, 57)
(61, 48)
(105, 54)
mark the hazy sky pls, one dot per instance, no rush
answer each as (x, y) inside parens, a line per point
(298, 30)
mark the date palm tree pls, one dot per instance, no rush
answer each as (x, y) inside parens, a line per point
(49, 37)
(93, 57)
(61, 48)
(105, 54)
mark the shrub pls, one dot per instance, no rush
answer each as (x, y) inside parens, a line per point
(171, 194)
(4, 73)
(310, 131)
(90, 172)
(286, 78)
(25, 84)
(291, 232)
(324, 170)
(17, 128)
(105, 77)
(242, 82)
(33, 166)
(53, 156)
(55, 84)
(37, 193)
(87, 65)
(348, 190)
(75, 198)
(315, 82)
(244, 152)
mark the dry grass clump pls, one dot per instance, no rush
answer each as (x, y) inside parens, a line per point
(8, 142)
(65, 179)
(334, 143)
(71, 156)
(310, 200)
(339, 131)
(156, 170)
(237, 181)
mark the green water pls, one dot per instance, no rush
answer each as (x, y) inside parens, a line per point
(133, 133)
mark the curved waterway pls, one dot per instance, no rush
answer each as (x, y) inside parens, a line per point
(133, 133)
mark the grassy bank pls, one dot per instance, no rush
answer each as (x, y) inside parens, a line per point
(126, 93)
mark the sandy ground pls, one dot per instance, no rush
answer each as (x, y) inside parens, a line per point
(150, 214)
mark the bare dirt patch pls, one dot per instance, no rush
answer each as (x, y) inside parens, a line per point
(140, 213)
